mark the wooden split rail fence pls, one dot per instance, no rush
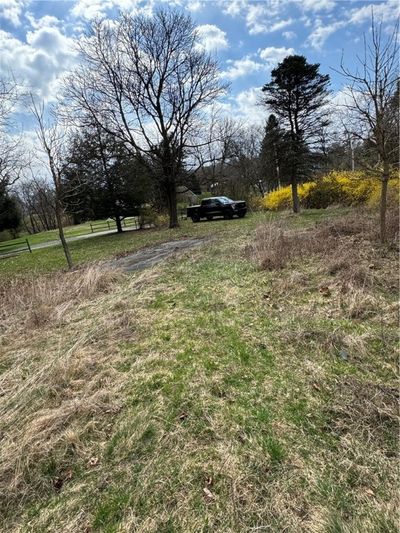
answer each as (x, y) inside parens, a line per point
(111, 224)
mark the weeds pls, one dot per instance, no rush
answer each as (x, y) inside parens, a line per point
(35, 302)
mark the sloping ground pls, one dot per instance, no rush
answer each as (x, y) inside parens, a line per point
(204, 394)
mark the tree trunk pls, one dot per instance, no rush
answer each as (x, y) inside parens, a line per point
(62, 236)
(295, 197)
(172, 207)
(33, 224)
(383, 204)
(118, 222)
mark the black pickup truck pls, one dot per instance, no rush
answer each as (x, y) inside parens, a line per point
(217, 206)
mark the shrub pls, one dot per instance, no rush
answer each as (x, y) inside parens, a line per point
(255, 203)
(345, 188)
(393, 194)
(279, 199)
(150, 217)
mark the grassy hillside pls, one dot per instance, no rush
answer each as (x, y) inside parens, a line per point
(248, 385)
(105, 246)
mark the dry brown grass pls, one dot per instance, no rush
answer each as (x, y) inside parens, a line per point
(367, 410)
(34, 302)
(338, 240)
(274, 246)
(343, 252)
(50, 400)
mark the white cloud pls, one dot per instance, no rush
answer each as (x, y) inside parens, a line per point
(280, 24)
(42, 22)
(318, 5)
(289, 35)
(247, 105)
(256, 18)
(40, 62)
(272, 55)
(321, 33)
(194, 6)
(11, 10)
(340, 98)
(90, 9)
(262, 17)
(241, 67)
(211, 37)
(307, 22)
(233, 8)
(385, 11)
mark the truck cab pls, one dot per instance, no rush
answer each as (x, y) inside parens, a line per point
(217, 206)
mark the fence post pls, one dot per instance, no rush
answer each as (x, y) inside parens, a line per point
(91, 228)
(108, 224)
(29, 246)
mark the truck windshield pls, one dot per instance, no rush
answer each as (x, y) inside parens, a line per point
(225, 200)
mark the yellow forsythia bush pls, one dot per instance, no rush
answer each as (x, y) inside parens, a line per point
(393, 194)
(345, 188)
(279, 199)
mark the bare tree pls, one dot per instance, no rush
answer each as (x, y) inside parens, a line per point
(146, 80)
(14, 159)
(52, 140)
(36, 196)
(213, 156)
(228, 162)
(373, 88)
(245, 163)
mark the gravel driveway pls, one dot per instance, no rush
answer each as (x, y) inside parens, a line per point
(152, 255)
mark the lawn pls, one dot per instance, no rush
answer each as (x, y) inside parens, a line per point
(70, 231)
(106, 246)
(103, 247)
(205, 394)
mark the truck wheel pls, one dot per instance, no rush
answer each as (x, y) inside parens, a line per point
(195, 219)
(228, 216)
(241, 215)
(209, 218)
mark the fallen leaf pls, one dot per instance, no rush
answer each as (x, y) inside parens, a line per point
(316, 387)
(183, 416)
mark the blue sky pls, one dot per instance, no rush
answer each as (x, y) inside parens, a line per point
(248, 37)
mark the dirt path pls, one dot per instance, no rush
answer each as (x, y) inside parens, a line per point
(152, 255)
